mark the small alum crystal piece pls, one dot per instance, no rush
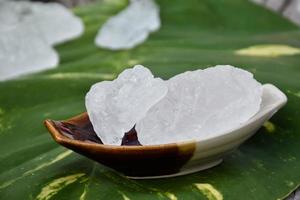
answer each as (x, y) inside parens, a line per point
(201, 104)
(28, 30)
(130, 27)
(114, 107)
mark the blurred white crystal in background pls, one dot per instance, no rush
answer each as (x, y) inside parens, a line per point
(130, 27)
(56, 23)
(258, 1)
(114, 107)
(200, 104)
(274, 4)
(288, 8)
(27, 31)
(21, 52)
(292, 12)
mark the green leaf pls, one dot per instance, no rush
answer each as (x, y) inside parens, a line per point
(194, 34)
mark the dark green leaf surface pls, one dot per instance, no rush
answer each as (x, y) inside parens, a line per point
(194, 34)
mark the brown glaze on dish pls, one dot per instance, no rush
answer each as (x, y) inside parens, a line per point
(135, 160)
(130, 138)
(85, 132)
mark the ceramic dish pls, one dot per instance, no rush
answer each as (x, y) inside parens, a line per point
(167, 160)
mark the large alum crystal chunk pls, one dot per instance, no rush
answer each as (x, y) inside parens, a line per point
(130, 27)
(200, 104)
(114, 107)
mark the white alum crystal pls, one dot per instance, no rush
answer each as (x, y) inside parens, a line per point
(27, 32)
(52, 21)
(130, 27)
(56, 23)
(114, 107)
(201, 104)
(21, 52)
(193, 105)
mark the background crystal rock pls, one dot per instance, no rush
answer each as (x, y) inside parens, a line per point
(200, 104)
(130, 27)
(114, 107)
(53, 21)
(27, 32)
(23, 52)
(56, 23)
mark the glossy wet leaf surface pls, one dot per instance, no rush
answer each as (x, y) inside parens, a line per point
(194, 34)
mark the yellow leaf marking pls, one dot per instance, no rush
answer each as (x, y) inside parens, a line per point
(76, 75)
(171, 196)
(269, 126)
(82, 196)
(209, 191)
(133, 62)
(56, 185)
(41, 166)
(272, 50)
(56, 159)
(81, 75)
(297, 94)
(125, 197)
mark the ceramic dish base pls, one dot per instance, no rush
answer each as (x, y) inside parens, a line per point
(183, 172)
